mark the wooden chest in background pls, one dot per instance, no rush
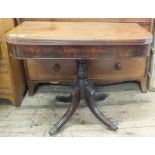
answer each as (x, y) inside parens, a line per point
(12, 79)
(151, 85)
(132, 66)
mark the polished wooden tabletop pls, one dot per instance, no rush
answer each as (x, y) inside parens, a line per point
(78, 33)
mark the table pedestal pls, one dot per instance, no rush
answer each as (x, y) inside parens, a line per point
(82, 89)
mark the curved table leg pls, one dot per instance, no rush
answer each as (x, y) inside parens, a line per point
(97, 96)
(70, 111)
(90, 100)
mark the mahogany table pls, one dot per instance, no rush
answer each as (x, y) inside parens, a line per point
(80, 41)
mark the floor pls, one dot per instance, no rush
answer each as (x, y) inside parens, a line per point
(133, 111)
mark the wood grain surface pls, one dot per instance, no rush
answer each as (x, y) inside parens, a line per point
(123, 44)
(77, 52)
(146, 23)
(12, 79)
(78, 33)
(106, 69)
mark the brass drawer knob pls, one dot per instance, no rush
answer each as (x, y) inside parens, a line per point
(56, 67)
(118, 66)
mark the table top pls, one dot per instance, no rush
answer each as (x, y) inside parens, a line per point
(78, 33)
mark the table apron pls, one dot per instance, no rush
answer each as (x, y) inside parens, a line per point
(77, 52)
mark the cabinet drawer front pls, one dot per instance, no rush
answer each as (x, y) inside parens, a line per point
(117, 68)
(51, 69)
(107, 68)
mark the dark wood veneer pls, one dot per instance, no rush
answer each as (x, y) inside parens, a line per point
(75, 52)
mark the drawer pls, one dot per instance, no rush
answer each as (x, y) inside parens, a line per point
(116, 68)
(51, 69)
(107, 68)
(5, 80)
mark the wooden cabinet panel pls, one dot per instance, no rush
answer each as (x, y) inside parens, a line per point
(152, 65)
(7, 24)
(3, 47)
(4, 65)
(5, 80)
(12, 81)
(0, 53)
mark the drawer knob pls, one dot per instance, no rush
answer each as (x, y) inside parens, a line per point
(118, 66)
(56, 67)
